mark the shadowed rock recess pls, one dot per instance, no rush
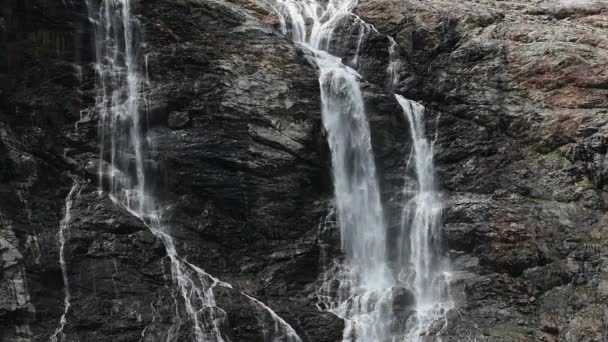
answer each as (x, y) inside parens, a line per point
(516, 97)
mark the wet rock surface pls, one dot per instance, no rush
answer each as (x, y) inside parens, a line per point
(519, 88)
(516, 91)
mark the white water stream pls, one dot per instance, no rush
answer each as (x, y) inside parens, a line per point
(365, 278)
(64, 227)
(124, 143)
(128, 154)
(280, 331)
(361, 289)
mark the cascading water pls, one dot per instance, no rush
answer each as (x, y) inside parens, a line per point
(363, 31)
(124, 143)
(64, 226)
(424, 268)
(393, 65)
(361, 289)
(365, 279)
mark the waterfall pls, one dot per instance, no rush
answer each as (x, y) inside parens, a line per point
(362, 289)
(64, 227)
(125, 148)
(425, 270)
(363, 294)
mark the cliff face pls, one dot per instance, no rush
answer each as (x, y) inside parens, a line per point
(516, 90)
(520, 87)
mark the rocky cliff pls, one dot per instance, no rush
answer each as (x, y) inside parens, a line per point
(520, 91)
(517, 93)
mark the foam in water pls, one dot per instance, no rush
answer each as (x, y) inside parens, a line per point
(64, 227)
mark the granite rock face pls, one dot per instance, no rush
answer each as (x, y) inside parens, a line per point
(516, 93)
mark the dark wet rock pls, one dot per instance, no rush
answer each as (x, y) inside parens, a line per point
(403, 300)
(515, 92)
(238, 151)
(178, 120)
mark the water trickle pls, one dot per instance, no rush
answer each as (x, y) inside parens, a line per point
(280, 331)
(362, 288)
(64, 227)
